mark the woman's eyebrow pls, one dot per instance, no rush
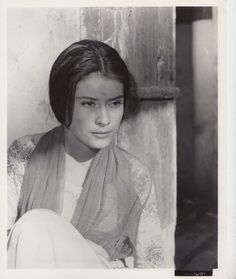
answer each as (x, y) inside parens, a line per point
(116, 98)
(94, 99)
(87, 98)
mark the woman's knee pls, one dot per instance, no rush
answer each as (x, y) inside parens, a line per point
(36, 218)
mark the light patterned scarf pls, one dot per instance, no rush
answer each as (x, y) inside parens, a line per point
(108, 209)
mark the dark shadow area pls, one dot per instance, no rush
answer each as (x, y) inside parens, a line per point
(196, 230)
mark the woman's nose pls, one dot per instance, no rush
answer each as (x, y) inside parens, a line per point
(103, 117)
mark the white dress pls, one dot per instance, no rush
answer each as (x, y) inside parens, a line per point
(74, 178)
(149, 252)
(43, 239)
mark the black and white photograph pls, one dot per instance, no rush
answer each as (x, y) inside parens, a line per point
(112, 139)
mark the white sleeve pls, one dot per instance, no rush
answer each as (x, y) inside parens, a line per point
(14, 181)
(18, 155)
(12, 199)
(149, 252)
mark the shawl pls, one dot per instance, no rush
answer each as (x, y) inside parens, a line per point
(108, 209)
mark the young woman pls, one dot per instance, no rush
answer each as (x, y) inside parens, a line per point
(76, 199)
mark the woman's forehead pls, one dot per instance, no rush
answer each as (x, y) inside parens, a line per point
(98, 86)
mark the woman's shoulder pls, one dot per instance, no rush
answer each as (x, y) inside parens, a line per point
(18, 156)
(137, 166)
(20, 152)
(22, 147)
(139, 175)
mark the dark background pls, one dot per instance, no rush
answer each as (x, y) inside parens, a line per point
(196, 231)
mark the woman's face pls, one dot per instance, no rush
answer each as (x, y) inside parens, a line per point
(98, 110)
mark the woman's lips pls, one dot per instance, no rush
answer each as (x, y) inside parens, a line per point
(101, 135)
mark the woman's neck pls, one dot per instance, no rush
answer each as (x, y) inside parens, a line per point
(75, 148)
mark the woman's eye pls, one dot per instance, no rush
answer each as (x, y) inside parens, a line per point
(88, 104)
(115, 104)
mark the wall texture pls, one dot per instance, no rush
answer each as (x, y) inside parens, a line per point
(34, 39)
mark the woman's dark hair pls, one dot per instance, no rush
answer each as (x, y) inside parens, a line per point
(74, 64)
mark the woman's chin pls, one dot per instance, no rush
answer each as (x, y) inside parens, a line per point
(100, 143)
